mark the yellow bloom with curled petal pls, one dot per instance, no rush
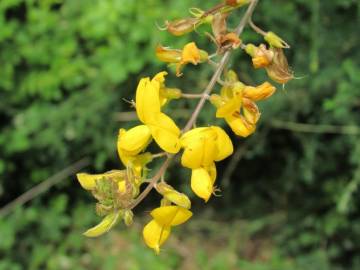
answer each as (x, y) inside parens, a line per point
(202, 147)
(236, 104)
(148, 107)
(189, 54)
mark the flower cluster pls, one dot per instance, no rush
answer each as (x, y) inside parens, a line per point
(118, 191)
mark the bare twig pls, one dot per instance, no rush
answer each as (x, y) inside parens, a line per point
(45, 185)
(223, 62)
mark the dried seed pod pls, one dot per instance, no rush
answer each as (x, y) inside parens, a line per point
(182, 26)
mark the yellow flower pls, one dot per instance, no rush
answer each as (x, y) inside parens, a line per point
(236, 104)
(134, 140)
(205, 145)
(148, 107)
(157, 231)
(189, 54)
(130, 144)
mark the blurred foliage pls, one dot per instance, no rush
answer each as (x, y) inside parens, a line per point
(65, 67)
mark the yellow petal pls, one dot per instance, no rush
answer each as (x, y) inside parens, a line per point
(212, 172)
(165, 132)
(224, 144)
(189, 136)
(160, 77)
(251, 111)
(233, 104)
(201, 183)
(261, 92)
(155, 235)
(178, 198)
(171, 215)
(190, 54)
(147, 99)
(134, 140)
(122, 186)
(201, 149)
(88, 181)
(239, 125)
(104, 226)
(168, 55)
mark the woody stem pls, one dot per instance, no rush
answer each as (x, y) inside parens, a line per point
(223, 62)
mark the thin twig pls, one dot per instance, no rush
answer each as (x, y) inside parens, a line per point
(316, 128)
(192, 96)
(223, 62)
(45, 185)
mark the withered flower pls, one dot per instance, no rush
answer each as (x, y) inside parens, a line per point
(279, 70)
(222, 38)
(273, 60)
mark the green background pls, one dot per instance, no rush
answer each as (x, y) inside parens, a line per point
(290, 197)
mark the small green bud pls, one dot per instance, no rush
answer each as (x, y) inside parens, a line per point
(275, 41)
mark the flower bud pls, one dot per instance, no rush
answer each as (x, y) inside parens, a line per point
(173, 195)
(182, 26)
(128, 217)
(190, 54)
(275, 41)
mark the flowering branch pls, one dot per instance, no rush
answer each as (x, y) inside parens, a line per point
(220, 68)
(118, 191)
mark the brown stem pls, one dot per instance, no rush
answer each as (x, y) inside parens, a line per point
(223, 62)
